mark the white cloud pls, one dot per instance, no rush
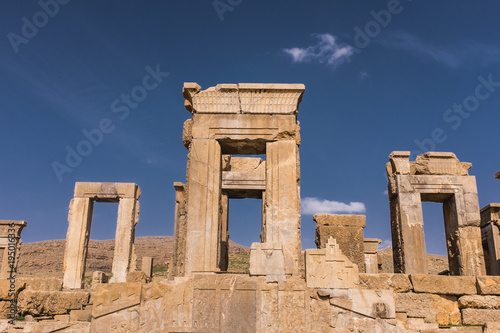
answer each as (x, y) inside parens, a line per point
(312, 206)
(385, 244)
(326, 51)
(450, 56)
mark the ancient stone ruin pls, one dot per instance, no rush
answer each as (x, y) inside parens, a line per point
(337, 287)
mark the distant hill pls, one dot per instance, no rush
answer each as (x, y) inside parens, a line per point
(45, 259)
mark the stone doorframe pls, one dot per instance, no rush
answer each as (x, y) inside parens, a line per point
(80, 220)
(241, 119)
(436, 177)
(10, 243)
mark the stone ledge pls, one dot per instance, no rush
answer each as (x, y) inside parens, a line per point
(399, 283)
(444, 285)
(479, 316)
(488, 285)
(340, 220)
(479, 302)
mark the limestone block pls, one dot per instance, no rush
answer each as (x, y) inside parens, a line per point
(261, 98)
(45, 284)
(432, 308)
(138, 276)
(267, 259)
(479, 302)
(64, 317)
(492, 327)
(97, 278)
(107, 191)
(147, 266)
(47, 326)
(371, 259)
(399, 283)
(81, 315)
(445, 285)
(370, 303)
(488, 285)
(330, 268)
(347, 230)
(51, 302)
(439, 163)
(5, 310)
(479, 316)
(113, 297)
(5, 289)
(400, 163)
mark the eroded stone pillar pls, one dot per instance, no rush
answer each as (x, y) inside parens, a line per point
(124, 259)
(490, 234)
(224, 233)
(371, 258)
(203, 202)
(77, 239)
(282, 211)
(10, 243)
(178, 261)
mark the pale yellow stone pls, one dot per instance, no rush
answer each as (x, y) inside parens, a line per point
(442, 284)
(488, 285)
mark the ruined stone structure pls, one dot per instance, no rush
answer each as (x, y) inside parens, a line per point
(317, 290)
(80, 221)
(10, 246)
(490, 234)
(437, 177)
(243, 119)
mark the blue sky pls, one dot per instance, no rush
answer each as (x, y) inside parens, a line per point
(379, 75)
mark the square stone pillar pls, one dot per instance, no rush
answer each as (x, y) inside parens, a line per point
(347, 230)
(490, 235)
(10, 242)
(77, 239)
(204, 180)
(124, 259)
(179, 258)
(282, 208)
(371, 259)
(224, 233)
(147, 266)
(407, 229)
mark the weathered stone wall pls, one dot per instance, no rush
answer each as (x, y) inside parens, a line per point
(239, 303)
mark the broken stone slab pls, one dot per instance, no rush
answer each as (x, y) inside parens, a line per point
(370, 303)
(113, 297)
(51, 302)
(81, 315)
(444, 285)
(479, 302)
(479, 316)
(488, 285)
(47, 284)
(266, 259)
(441, 309)
(5, 289)
(399, 283)
(138, 276)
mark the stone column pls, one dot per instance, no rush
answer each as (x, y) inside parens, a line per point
(371, 259)
(124, 259)
(490, 232)
(282, 211)
(204, 179)
(77, 239)
(407, 229)
(224, 233)
(147, 266)
(178, 262)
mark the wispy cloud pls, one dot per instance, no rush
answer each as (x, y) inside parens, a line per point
(312, 206)
(452, 56)
(385, 244)
(326, 51)
(363, 75)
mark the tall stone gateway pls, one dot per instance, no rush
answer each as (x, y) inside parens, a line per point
(240, 119)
